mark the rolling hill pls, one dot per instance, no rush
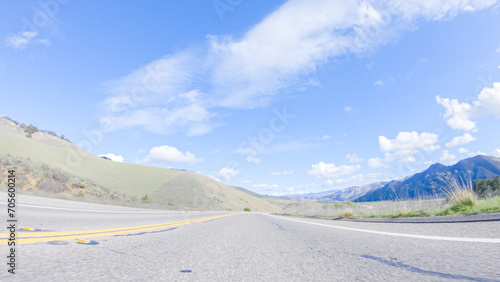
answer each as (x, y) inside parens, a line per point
(46, 160)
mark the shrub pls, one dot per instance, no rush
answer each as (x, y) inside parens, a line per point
(347, 213)
(247, 210)
(49, 185)
(11, 120)
(29, 129)
(146, 199)
(460, 195)
(485, 188)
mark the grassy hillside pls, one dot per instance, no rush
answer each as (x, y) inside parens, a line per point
(186, 189)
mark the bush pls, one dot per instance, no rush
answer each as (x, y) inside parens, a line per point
(29, 129)
(247, 210)
(485, 188)
(49, 185)
(146, 199)
(11, 120)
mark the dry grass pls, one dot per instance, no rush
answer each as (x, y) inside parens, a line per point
(460, 195)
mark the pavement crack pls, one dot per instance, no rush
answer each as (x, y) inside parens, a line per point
(393, 262)
(125, 254)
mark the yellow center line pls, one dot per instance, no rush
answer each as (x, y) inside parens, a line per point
(32, 237)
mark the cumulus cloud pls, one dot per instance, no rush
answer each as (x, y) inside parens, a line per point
(278, 52)
(461, 115)
(168, 154)
(461, 140)
(21, 40)
(376, 163)
(266, 186)
(406, 144)
(473, 154)
(113, 157)
(324, 170)
(463, 151)
(353, 158)
(285, 172)
(254, 160)
(496, 153)
(489, 99)
(447, 157)
(359, 179)
(226, 173)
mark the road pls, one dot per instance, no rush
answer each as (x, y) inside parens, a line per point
(223, 246)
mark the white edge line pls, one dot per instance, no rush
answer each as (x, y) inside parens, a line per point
(427, 237)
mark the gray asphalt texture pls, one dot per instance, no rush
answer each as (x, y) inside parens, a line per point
(243, 247)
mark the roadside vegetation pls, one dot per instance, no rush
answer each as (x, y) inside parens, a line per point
(30, 129)
(462, 197)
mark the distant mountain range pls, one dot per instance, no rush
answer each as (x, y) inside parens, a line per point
(346, 194)
(430, 183)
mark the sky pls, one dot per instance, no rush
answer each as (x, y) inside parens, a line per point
(279, 97)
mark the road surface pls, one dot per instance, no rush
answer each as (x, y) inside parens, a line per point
(72, 241)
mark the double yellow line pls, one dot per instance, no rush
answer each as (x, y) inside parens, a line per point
(33, 237)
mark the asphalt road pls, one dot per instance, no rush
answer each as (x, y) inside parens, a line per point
(70, 241)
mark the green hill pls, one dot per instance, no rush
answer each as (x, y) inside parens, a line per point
(48, 160)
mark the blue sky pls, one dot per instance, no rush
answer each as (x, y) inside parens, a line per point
(275, 96)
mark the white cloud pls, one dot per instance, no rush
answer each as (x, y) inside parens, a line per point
(496, 153)
(347, 109)
(285, 172)
(246, 181)
(379, 83)
(359, 179)
(447, 157)
(326, 137)
(21, 40)
(278, 52)
(254, 160)
(226, 173)
(168, 154)
(353, 158)
(489, 98)
(463, 151)
(324, 170)
(461, 140)
(473, 154)
(376, 163)
(266, 186)
(406, 144)
(459, 114)
(157, 98)
(113, 157)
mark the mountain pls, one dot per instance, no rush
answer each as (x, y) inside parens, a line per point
(432, 181)
(346, 194)
(47, 164)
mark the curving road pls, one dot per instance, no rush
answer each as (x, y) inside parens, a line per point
(72, 241)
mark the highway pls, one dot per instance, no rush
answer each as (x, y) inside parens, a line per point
(73, 241)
